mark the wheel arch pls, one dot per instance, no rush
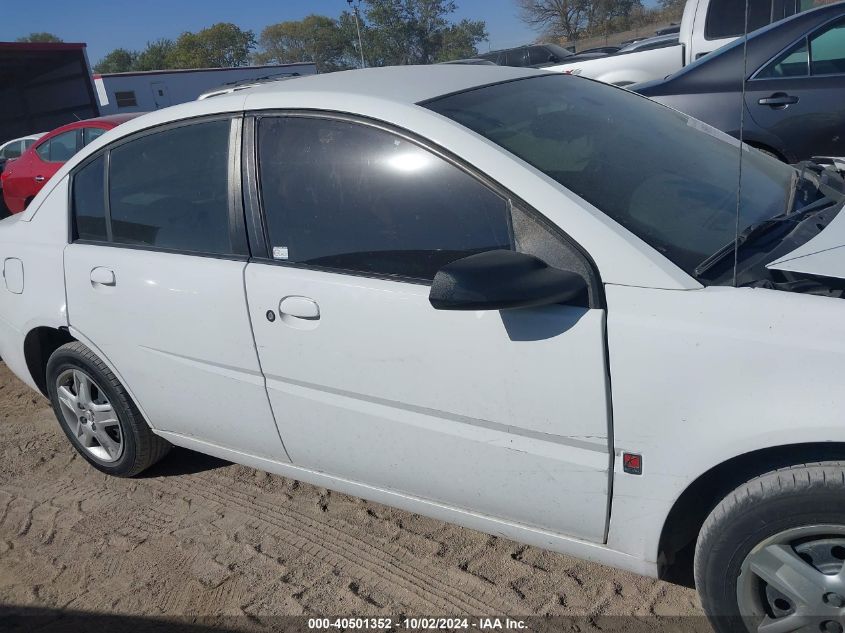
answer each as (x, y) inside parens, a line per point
(683, 523)
(39, 344)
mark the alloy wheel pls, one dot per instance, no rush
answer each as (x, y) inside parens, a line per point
(89, 415)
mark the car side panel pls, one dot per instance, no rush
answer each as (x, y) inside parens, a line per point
(38, 245)
(699, 377)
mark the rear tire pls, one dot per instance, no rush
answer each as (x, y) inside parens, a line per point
(97, 414)
(785, 525)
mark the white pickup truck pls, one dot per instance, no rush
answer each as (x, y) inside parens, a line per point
(706, 25)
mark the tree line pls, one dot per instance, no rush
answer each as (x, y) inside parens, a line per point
(393, 32)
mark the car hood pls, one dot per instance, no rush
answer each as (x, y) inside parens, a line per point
(823, 255)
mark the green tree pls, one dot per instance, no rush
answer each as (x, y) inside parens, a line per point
(417, 32)
(571, 19)
(40, 37)
(158, 55)
(218, 46)
(316, 38)
(119, 60)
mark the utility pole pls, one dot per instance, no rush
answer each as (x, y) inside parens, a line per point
(355, 6)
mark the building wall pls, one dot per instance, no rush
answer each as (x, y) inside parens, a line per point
(146, 91)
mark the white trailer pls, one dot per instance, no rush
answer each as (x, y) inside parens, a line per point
(156, 89)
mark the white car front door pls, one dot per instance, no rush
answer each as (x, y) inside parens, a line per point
(501, 413)
(154, 278)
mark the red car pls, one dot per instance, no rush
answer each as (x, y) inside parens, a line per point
(24, 177)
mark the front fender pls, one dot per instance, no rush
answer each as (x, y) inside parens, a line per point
(701, 376)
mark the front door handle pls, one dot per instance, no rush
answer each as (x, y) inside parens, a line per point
(779, 100)
(299, 307)
(39, 179)
(102, 277)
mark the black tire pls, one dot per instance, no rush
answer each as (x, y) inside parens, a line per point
(769, 505)
(141, 448)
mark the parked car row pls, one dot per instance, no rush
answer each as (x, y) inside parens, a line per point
(789, 78)
(23, 176)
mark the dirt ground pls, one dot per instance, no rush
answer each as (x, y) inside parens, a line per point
(200, 536)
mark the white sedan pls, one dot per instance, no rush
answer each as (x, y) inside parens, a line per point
(505, 298)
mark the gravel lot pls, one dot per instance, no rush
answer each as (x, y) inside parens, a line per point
(200, 536)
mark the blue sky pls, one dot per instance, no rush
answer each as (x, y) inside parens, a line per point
(120, 23)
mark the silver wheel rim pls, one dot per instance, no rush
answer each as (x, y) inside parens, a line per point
(795, 581)
(89, 415)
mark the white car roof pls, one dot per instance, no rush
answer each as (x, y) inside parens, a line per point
(400, 84)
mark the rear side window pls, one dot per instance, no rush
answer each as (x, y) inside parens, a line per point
(90, 133)
(348, 196)
(170, 189)
(89, 207)
(793, 63)
(59, 149)
(726, 18)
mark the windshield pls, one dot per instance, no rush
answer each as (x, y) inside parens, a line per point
(669, 179)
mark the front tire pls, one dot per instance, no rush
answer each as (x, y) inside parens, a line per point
(771, 555)
(98, 416)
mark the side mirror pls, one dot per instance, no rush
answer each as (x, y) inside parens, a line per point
(554, 59)
(502, 280)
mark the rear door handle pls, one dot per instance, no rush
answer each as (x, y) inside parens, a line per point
(779, 100)
(39, 179)
(300, 307)
(103, 277)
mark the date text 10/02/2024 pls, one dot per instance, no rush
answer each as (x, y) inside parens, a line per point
(491, 624)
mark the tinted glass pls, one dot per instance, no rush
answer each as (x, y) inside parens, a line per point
(827, 50)
(726, 18)
(43, 150)
(793, 63)
(12, 150)
(669, 179)
(170, 190)
(28, 143)
(63, 147)
(89, 207)
(538, 55)
(517, 57)
(90, 133)
(348, 196)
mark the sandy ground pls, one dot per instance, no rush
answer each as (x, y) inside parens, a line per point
(199, 536)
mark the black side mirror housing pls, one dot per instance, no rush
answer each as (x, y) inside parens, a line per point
(554, 58)
(502, 280)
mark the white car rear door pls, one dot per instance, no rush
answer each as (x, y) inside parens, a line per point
(154, 278)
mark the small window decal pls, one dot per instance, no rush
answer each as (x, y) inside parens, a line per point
(280, 252)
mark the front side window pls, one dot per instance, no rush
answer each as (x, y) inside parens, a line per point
(12, 150)
(347, 196)
(726, 18)
(827, 50)
(169, 189)
(667, 178)
(89, 206)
